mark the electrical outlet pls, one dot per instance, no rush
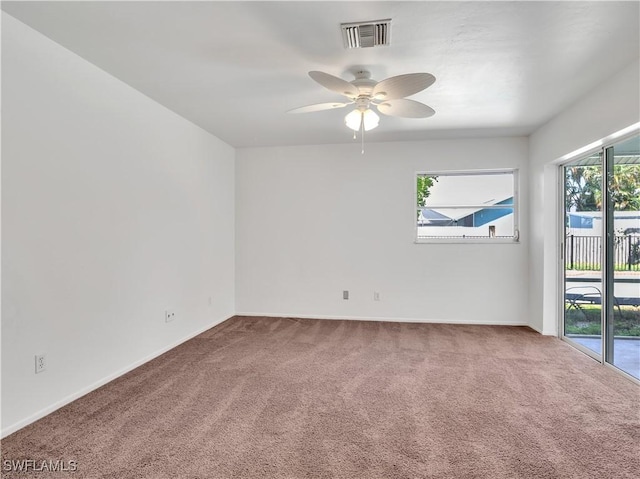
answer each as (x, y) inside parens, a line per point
(345, 294)
(41, 364)
(169, 315)
(376, 296)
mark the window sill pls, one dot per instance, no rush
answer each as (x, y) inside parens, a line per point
(467, 241)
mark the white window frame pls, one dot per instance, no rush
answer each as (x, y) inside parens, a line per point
(516, 207)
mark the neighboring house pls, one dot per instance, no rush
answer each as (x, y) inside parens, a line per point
(477, 222)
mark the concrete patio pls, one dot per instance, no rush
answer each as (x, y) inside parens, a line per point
(626, 351)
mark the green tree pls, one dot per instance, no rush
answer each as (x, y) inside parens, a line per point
(424, 184)
(584, 191)
(582, 188)
(625, 187)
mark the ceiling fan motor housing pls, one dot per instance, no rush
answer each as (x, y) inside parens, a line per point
(364, 83)
(363, 102)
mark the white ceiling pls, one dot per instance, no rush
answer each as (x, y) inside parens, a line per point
(235, 68)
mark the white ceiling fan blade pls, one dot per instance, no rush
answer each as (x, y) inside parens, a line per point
(402, 85)
(405, 109)
(319, 107)
(335, 84)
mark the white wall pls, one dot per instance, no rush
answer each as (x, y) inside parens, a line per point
(611, 107)
(113, 210)
(313, 221)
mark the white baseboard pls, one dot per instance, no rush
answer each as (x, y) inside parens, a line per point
(387, 319)
(545, 332)
(72, 397)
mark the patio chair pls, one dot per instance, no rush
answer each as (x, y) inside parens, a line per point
(578, 295)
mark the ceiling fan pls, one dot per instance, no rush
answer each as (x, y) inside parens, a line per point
(388, 96)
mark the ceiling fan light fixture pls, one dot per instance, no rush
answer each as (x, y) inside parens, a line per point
(353, 120)
(370, 118)
(356, 118)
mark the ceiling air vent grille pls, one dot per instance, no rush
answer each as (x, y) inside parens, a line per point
(366, 34)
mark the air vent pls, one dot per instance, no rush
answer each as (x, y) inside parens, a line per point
(366, 34)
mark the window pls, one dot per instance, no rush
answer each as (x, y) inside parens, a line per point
(467, 206)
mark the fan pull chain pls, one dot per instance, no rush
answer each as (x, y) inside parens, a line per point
(362, 135)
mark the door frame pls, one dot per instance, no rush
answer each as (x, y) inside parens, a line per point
(562, 227)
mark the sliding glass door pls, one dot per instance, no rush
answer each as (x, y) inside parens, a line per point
(602, 255)
(583, 250)
(623, 256)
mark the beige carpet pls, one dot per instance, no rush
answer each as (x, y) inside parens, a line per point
(296, 398)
